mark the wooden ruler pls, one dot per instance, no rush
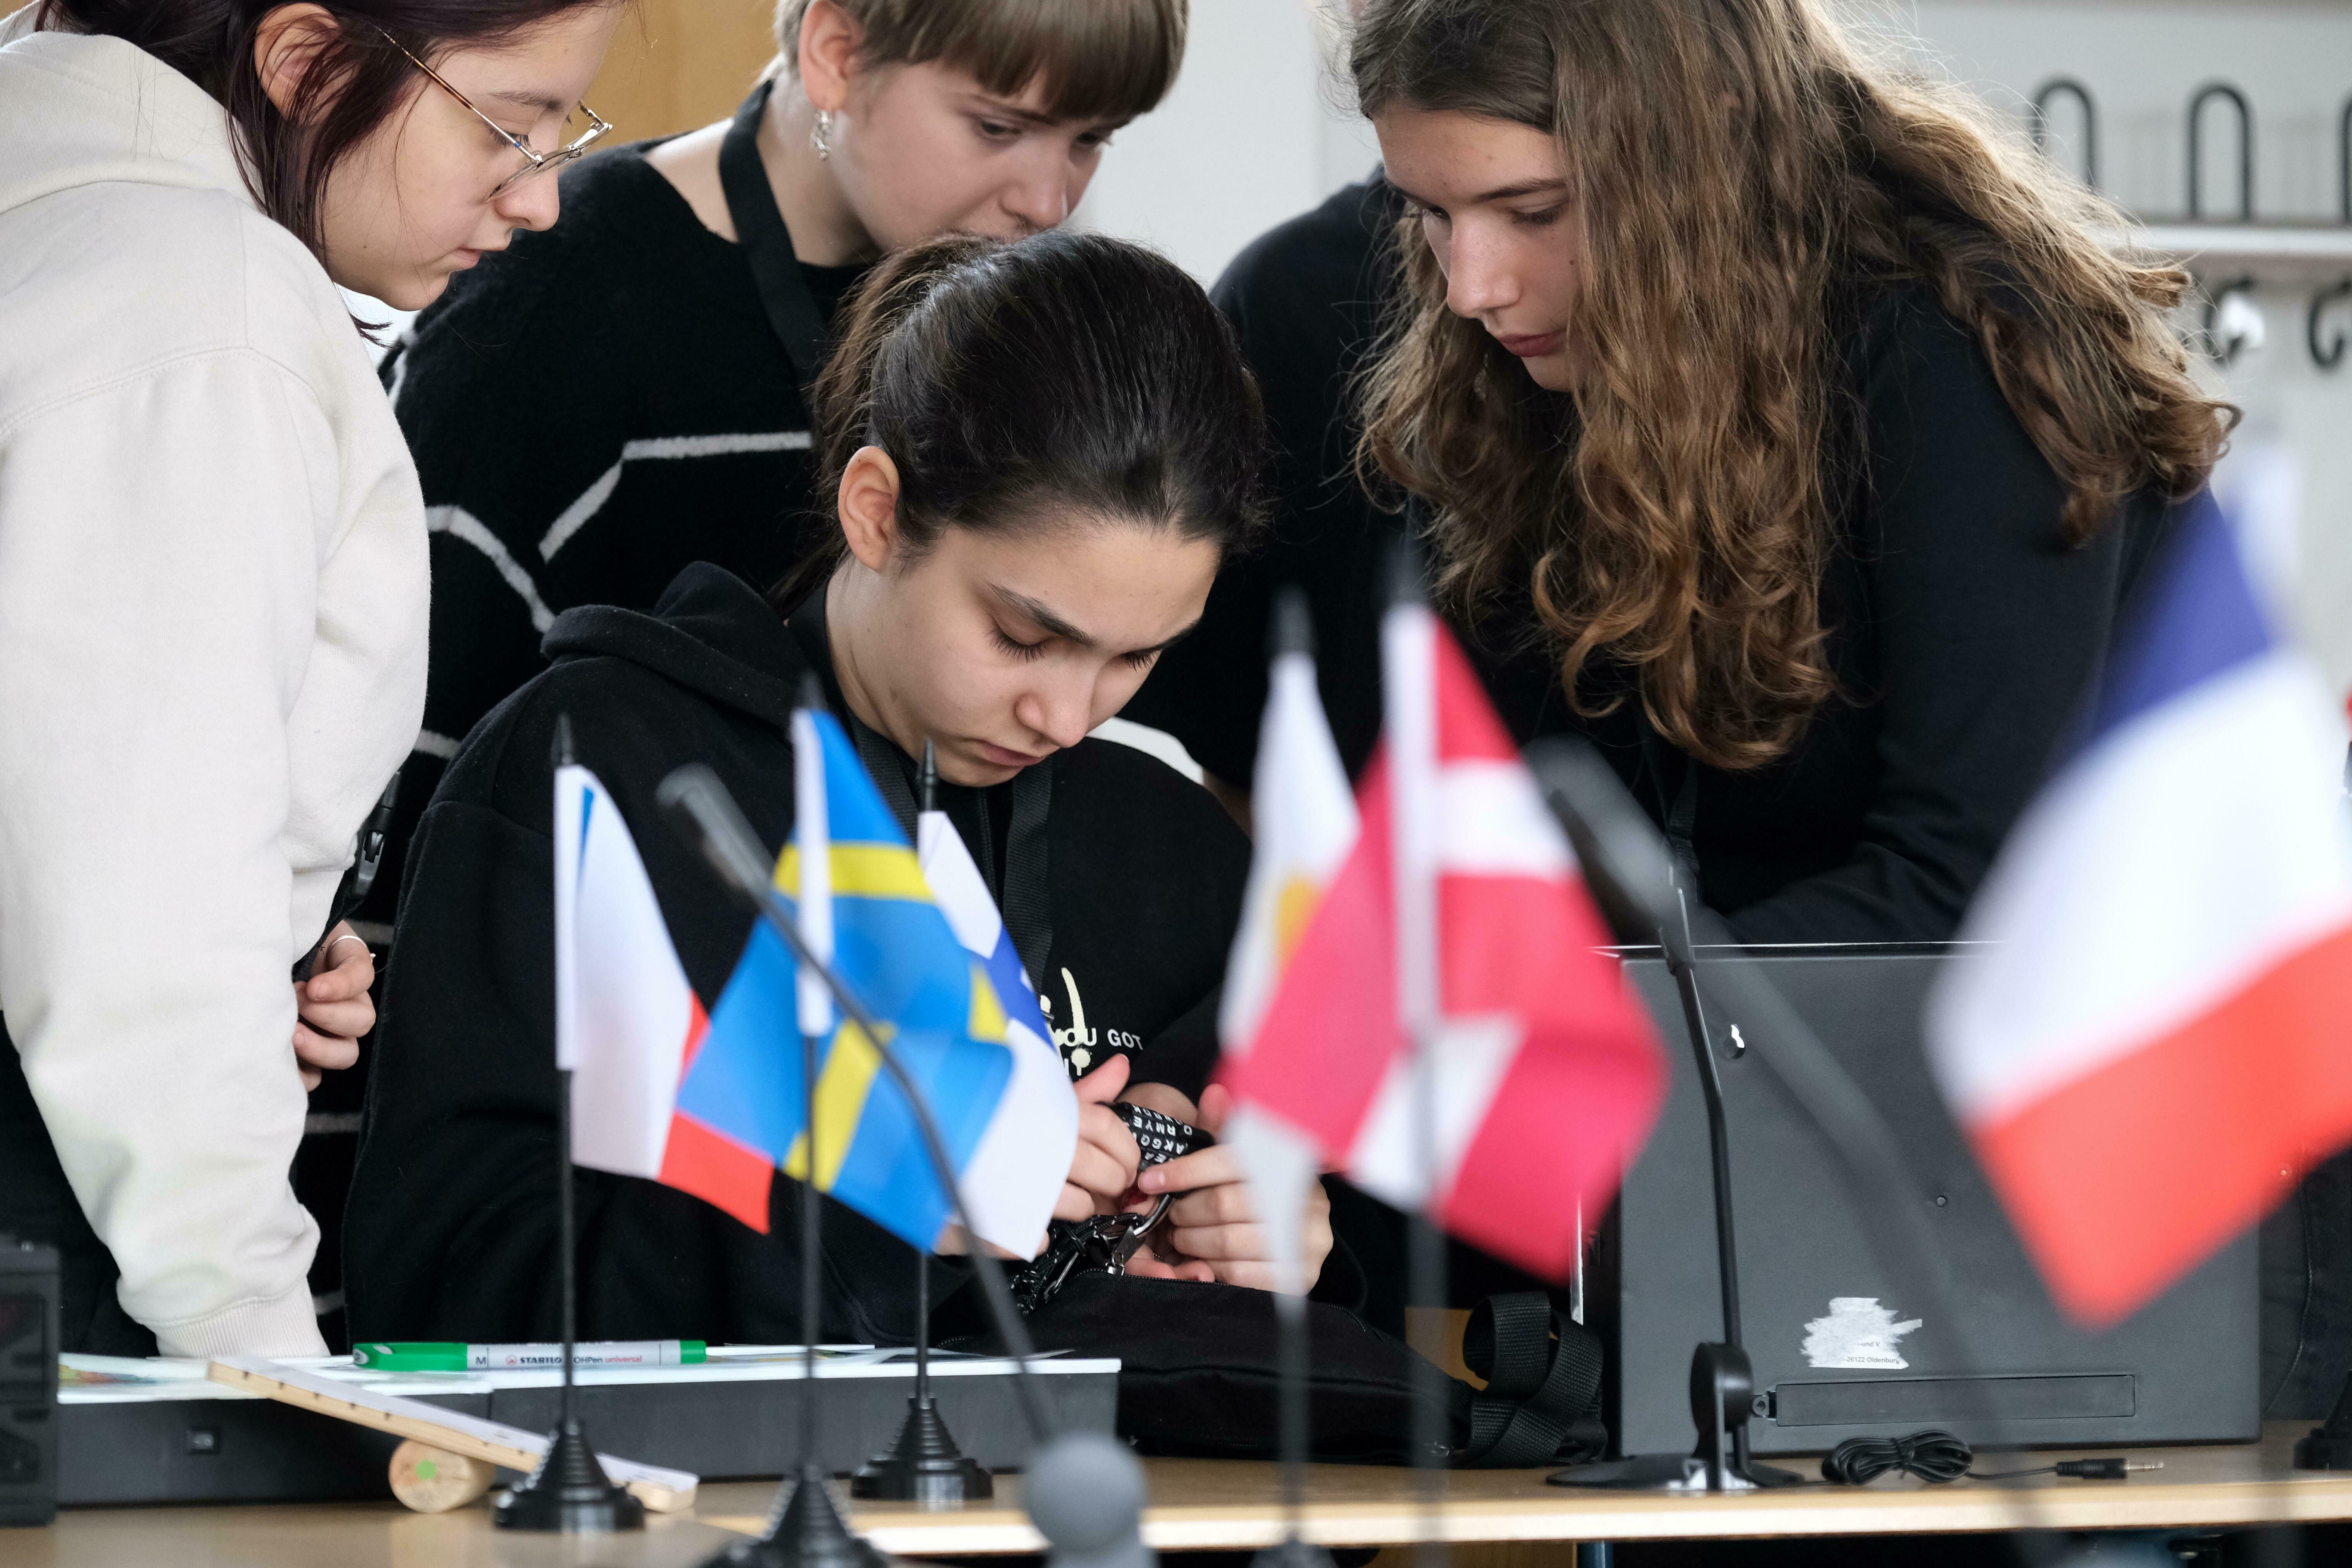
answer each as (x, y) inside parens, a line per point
(509, 1448)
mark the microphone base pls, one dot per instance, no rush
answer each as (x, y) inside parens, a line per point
(569, 1494)
(923, 1465)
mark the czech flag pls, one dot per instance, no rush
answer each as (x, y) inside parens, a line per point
(2158, 1046)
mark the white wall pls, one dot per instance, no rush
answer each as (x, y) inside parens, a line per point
(1252, 134)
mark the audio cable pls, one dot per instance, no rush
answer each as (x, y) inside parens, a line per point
(1938, 1457)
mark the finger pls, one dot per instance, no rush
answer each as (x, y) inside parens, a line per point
(1098, 1173)
(1192, 1268)
(351, 1019)
(1101, 1131)
(1101, 1086)
(311, 1078)
(1168, 1102)
(1210, 1167)
(1074, 1204)
(1223, 1242)
(1216, 1105)
(1227, 1204)
(1146, 1265)
(352, 971)
(1249, 1276)
(325, 1050)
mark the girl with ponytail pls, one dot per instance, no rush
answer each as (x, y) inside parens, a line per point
(1035, 457)
(213, 592)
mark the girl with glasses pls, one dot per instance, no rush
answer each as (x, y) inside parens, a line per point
(1034, 458)
(213, 593)
(616, 400)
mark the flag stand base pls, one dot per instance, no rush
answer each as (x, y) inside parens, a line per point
(806, 1531)
(2329, 1446)
(923, 1465)
(1292, 1553)
(1722, 1391)
(569, 1493)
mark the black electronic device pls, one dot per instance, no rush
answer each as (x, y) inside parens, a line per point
(1838, 1346)
(28, 1382)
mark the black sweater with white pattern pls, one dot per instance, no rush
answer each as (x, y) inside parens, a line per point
(590, 411)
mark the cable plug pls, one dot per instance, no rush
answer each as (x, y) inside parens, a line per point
(2112, 1468)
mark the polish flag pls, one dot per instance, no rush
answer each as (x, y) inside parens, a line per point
(627, 1024)
(1544, 1075)
(2157, 1047)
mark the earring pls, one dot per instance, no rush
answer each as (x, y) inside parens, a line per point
(821, 133)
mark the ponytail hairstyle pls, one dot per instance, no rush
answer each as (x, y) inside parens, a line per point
(359, 80)
(1066, 374)
(1737, 165)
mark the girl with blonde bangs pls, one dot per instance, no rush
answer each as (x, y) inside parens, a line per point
(1779, 426)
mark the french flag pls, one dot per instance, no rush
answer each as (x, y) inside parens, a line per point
(627, 1023)
(2159, 1041)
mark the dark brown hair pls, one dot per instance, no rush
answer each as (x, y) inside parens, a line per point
(356, 84)
(1066, 373)
(1736, 164)
(1101, 60)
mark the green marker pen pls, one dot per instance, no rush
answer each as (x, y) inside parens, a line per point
(416, 1355)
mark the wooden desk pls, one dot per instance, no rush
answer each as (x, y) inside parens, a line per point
(1199, 1504)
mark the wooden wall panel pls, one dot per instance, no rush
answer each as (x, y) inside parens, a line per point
(677, 64)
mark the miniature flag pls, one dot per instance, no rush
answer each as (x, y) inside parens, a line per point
(2155, 1047)
(1547, 1075)
(892, 945)
(626, 1021)
(1016, 1172)
(1304, 824)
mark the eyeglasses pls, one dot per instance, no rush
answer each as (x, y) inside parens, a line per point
(534, 163)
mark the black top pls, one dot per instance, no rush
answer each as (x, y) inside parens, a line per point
(1963, 635)
(591, 411)
(1304, 299)
(450, 1228)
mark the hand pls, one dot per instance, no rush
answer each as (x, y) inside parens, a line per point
(1214, 1232)
(1102, 1170)
(333, 1008)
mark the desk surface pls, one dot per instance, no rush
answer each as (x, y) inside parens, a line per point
(1199, 1504)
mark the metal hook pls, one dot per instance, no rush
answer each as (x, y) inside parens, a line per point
(2330, 354)
(2205, 95)
(2225, 349)
(2344, 163)
(2039, 119)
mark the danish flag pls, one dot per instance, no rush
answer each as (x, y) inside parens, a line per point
(1544, 1075)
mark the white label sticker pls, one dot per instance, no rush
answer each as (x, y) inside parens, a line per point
(1858, 1334)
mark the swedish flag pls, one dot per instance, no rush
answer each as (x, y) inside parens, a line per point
(894, 949)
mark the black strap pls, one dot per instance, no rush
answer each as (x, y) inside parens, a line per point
(767, 245)
(1027, 906)
(1682, 813)
(1543, 1384)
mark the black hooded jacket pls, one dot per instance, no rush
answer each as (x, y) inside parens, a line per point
(450, 1232)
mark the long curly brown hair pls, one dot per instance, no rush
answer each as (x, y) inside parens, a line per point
(1738, 165)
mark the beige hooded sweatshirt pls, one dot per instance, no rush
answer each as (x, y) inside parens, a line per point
(212, 600)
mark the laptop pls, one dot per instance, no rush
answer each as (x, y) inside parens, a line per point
(1840, 1347)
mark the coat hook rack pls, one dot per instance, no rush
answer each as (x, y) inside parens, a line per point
(2232, 96)
(2037, 119)
(2328, 354)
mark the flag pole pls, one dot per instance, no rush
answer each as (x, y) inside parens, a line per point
(1085, 1489)
(568, 1492)
(1410, 701)
(1293, 634)
(805, 1530)
(923, 1463)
